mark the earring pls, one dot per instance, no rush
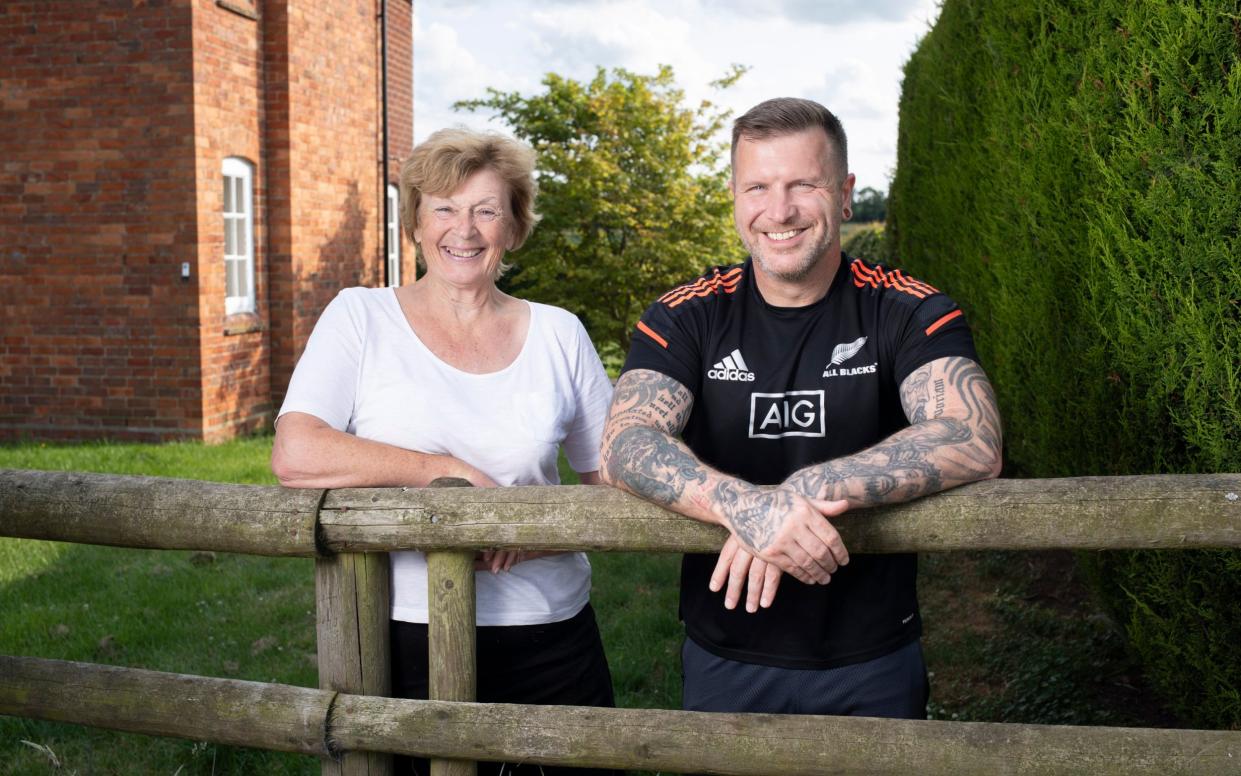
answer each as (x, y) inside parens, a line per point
(848, 213)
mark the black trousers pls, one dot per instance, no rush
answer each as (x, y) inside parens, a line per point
(559, 663)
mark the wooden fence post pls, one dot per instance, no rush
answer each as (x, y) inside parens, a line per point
(450, 632)
(352, 603)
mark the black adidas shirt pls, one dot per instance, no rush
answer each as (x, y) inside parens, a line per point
(776, 389)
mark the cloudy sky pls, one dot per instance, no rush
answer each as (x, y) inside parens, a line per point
(846, 54)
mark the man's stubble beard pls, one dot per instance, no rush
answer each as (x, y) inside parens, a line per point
(810, 260)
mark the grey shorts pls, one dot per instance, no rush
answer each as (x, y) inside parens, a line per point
(893, 686)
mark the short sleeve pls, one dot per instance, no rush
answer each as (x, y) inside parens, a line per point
(592, 393)
(325, 380)
(668, 343)
(933, 328)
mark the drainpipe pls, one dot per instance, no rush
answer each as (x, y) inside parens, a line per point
(383, 80)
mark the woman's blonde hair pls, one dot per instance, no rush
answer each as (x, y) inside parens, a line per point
(442, 162)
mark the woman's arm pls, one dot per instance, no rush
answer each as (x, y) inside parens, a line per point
(308, 453)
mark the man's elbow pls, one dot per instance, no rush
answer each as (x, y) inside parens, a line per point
(605, 468)
(996, 464)
(609, 456)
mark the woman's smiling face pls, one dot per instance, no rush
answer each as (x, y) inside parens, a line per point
(465, 234)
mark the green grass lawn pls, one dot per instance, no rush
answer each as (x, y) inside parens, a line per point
(234, 616)
(1009, 636)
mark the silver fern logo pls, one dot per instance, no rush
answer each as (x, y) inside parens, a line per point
(842, 353)
(846, 350)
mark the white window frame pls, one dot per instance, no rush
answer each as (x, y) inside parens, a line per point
(238, 222)
(394, 236)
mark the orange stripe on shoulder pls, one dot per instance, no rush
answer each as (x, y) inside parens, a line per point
(720, 281)
(714, 287)
(908, 285)
(934, 327)
(648, 331)
(865, 275)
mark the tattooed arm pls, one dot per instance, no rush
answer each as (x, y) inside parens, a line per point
(643, 455)
(954, 438)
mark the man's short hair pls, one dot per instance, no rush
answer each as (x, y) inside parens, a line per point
(787, 116)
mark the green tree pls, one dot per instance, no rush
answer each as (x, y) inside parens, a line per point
(869, 205)
(632, 190)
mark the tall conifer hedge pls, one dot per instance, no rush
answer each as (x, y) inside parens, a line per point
(1068, 171)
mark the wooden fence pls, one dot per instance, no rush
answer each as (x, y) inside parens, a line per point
(351, 726)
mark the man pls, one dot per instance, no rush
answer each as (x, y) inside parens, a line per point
(843, 384)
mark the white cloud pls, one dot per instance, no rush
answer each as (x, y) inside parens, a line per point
(846, 54)
(631, 35)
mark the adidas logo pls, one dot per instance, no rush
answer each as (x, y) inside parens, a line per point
(842, 353)
(731, 367)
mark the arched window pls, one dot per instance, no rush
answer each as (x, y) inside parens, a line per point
(394, 236)
(238, 236)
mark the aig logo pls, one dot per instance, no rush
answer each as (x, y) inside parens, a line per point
(795, 413)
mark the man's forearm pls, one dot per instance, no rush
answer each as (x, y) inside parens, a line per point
(917, 461)
(955, 438)
(660, 468)
(642, 454)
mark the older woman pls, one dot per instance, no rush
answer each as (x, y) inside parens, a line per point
(450, 376)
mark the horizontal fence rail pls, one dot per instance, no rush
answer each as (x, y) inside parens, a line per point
(296, 719)
(1178, 511)
(157, 513)
(350, 725)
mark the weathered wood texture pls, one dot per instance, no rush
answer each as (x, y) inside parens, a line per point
(268, 716)
(1179, 511)
(157, 513)
(450, 639)
(451, 644)
(697, 742)
(352, 608)
(293, 719)
(1174, 511)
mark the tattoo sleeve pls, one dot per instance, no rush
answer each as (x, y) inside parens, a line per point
(641, 451)
(954, 438)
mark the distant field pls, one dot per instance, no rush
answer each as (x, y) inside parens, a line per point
(849, 228)
(1009, 636)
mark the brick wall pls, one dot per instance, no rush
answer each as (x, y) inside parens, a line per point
(401, 106)
(100, 333)
(229, 122)
(115, 120)
(323, 176)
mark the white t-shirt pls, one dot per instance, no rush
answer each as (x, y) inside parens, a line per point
(365, 372)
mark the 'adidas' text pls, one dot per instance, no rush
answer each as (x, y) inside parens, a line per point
(733, 368)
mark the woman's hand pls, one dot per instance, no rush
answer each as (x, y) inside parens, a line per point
(496, 561)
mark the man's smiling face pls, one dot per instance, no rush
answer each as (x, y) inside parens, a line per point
(788, 201)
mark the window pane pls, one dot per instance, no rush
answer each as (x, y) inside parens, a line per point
(230, 281)
(239, 198)
(228, 194)
(230, 244)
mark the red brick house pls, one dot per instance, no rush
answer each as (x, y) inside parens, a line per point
(184, 185)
